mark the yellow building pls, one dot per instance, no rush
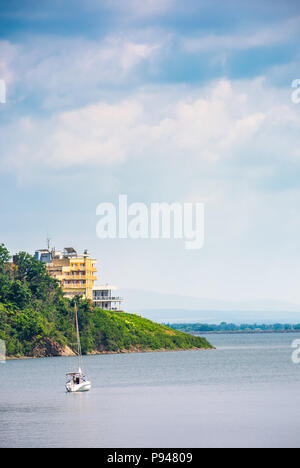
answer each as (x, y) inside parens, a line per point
(76, 273)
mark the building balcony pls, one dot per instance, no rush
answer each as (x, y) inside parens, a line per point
(109, 307)
(75, 277)
(80, 277)
(108, 299)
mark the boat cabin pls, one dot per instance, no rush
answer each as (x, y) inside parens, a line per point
(75, 378)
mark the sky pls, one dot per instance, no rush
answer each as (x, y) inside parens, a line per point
(164, 101)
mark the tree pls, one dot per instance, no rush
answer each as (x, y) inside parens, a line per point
(35, 274)
(4, 256)
(19, 294)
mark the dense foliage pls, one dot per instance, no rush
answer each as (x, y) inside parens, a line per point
(115, 331)
(231, 327)
(34, 314)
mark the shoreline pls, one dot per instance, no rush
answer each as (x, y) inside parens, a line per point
(242, 332)
(20, 358)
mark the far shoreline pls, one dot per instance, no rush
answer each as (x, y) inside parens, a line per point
(244, 332)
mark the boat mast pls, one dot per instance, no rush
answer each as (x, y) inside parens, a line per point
(78, 340)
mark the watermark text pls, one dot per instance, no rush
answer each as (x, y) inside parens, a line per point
(156, 221)
(296, 352)
(296, 93)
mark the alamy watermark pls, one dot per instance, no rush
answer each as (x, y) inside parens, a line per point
(296, 93)
(296, 352)
(2, 92)
(156, 221)
(2, 352)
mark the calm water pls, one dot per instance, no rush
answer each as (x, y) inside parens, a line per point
(246, 393)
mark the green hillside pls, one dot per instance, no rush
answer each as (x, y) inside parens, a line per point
(37, 320)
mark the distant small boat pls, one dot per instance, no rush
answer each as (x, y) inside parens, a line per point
(76, 381)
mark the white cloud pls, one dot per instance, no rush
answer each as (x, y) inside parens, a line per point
(97, 134)
(8, 55)
(65, 72)
(218, 123)
(243, 129)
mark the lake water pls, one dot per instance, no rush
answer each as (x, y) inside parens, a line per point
(244, 394)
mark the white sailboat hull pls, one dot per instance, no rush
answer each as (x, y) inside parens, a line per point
(81, 387)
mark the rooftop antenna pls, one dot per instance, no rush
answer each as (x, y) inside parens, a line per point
(48, 243)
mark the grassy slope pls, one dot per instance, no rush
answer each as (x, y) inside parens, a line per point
(101, 332)
(119, 331)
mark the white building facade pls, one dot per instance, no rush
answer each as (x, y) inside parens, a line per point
(105, 298)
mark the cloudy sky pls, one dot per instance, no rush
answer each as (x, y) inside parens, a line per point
(165, 101)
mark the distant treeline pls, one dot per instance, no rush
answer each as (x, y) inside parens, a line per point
(231, 327)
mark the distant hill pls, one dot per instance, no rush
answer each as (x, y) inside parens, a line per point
(177, 308)
(36, 320)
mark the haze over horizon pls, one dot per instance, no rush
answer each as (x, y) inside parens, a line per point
(162, 307)
(163, 102)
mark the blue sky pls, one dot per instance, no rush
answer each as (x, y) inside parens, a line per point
(164, 101)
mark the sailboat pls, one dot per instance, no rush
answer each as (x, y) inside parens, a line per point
(76, 381)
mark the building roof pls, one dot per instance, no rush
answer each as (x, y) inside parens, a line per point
(70, 250)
